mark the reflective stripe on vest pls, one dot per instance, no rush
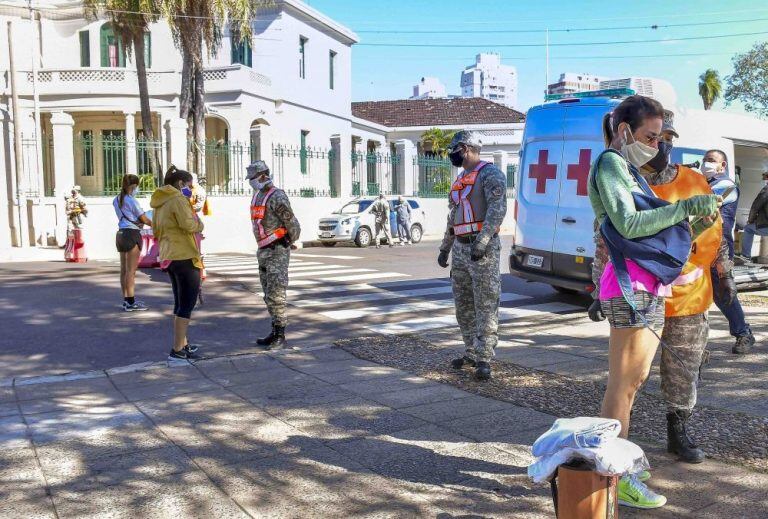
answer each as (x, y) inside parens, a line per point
(469, 218)
(691, 292)
(258, 211)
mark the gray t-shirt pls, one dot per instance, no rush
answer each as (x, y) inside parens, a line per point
(128, 213)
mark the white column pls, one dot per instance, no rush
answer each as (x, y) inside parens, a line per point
(130, 143)
(406, 179)
(176, 137)
(64, 159)
(342, 164)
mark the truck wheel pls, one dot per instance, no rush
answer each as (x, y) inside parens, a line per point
(363, 238)
(329, 243)
(415, 233)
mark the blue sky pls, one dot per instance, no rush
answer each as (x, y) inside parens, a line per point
(390, 72)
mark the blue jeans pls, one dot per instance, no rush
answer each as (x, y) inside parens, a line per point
(750, 231)
(737, 323)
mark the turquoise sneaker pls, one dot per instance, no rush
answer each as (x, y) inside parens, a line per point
(633, 493)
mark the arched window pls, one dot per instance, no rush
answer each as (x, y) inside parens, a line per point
(112, 51)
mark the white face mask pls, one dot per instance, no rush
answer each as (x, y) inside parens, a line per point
(637, 153)
(258, 186)
(135, 191)
(709, 169)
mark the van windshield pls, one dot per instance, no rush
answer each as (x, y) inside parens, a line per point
(355, 207)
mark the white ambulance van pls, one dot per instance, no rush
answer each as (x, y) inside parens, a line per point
(553, 240)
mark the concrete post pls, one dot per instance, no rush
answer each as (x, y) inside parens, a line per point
(130, 144)
(763, 257)
(342, 164)
(64, 159)
(176, 137)
(406, 154)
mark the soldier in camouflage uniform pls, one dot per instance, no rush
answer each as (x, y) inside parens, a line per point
(685, 336)
(276, 230)
(477, 205)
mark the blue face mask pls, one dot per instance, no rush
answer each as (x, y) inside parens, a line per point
(186, 191)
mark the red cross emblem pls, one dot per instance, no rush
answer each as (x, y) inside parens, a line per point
(542, 171)
(580, 172)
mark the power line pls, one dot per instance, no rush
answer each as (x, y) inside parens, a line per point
(572, 44)
(538, 58)
(578, 29)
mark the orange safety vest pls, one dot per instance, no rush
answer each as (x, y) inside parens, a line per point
(470, 219)
(258, 211)
(691, 292)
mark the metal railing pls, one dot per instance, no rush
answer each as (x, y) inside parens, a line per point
(511, 180)
(433, 175)
(374, 173)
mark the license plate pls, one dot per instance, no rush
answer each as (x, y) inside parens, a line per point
(535, 261)
(327, 234)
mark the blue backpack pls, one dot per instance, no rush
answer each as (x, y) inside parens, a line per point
(663, 254)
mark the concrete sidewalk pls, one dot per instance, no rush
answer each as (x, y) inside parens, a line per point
(317, 433)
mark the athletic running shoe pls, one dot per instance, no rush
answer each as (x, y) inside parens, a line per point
(137, 306)
(191, 348)
(633, 493)
(643, 476)
(182, 354)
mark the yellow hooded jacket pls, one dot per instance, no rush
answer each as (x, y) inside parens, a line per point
(174, 224)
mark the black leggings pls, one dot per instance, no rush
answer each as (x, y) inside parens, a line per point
(185, 280)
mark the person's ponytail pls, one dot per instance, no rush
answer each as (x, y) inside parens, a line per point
(607, 129)
(125, 189)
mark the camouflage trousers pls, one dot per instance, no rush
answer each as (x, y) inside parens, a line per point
(476, 290)
(687, 337)
(273, 273)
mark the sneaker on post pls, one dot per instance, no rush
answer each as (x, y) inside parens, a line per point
(643, 476)
(137, 306)
(463, 361)
(743, 344)
(635, 494)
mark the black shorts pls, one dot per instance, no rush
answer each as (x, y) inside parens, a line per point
(127, 239)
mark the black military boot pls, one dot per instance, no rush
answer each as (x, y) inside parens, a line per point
(462, 361)
(678, 441)
(266, 341)
(279, 341)
(483, 371)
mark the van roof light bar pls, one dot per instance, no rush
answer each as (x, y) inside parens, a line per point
(608, 92)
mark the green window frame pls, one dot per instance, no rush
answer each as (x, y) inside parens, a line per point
(112, 51)
(86, 139)
(242, 52)
(303, 153)
(303, 57)
(148, 49)
(331, 68)
(85, 48)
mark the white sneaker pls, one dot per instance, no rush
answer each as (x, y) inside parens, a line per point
(635, 494)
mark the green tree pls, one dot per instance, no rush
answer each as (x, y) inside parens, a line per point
(749, 81)
(196, 26)
(710, 87)
(438, 140)
(130, 21)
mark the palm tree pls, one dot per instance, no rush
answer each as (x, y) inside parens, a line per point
(197, 24)
(130, 21)
(438, 140)
(710, 87)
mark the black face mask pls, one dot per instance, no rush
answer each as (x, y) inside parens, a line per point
(457, 158)
(661, 160)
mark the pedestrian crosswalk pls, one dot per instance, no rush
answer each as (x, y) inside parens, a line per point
(380, 301)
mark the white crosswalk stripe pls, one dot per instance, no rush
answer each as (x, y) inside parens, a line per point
(347, 293)
(421, 306)
(505, 314)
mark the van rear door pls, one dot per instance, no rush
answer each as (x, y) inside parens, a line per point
(538, 190)
(574, 246)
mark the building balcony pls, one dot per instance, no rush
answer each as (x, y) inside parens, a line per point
(124, 82)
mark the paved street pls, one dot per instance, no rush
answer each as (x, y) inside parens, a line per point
(378, 429)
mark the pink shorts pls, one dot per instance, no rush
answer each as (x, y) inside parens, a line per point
(642, 281)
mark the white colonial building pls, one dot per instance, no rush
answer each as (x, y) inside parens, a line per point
(429, 88)
(570, 82)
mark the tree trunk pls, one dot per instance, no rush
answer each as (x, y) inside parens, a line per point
(146, 114)
(199, 122)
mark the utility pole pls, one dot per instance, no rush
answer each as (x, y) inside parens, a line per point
(36, 100)
(19, 224)
(546, 73)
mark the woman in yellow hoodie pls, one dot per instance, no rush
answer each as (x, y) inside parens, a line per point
(175, 223)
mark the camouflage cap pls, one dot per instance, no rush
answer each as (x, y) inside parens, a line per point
(255, 169)
(466, 137)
